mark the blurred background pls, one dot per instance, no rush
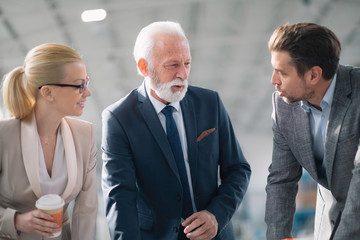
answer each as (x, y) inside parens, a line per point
(228, 40)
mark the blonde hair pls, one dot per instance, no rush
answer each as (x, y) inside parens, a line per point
(43, 64)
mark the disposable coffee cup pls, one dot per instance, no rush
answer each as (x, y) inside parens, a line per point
(52, 204)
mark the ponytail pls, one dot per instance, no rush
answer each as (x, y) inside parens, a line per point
(42, 65)
(17, 99)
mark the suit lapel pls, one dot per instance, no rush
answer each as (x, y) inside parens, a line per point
(148, 112)
(71, 158)
(303, 139)
(188, 112)
(30, 152)
(29, 136)
(341, 103)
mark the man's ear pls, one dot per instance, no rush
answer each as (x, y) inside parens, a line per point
(143, 67)
(315, 74)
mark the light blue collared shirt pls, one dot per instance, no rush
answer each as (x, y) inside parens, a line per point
(319, 120)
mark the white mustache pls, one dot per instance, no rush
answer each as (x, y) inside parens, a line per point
(178, 82)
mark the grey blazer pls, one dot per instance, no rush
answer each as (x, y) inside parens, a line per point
(292, 151)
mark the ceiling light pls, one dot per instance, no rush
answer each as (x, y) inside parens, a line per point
(93, 15)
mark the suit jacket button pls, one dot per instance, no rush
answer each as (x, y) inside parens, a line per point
(178, 197)
(176, 229)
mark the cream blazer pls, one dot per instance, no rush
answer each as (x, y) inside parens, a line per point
(19, 176)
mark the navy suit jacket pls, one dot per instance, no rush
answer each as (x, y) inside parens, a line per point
(141, 184)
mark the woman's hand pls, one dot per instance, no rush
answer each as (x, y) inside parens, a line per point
(36, 222)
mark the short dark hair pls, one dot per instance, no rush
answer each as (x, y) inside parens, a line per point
(309, 45)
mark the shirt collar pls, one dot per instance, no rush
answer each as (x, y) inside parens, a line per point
(327, 99)
(305, 105)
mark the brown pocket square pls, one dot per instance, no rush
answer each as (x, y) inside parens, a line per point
(205, 134)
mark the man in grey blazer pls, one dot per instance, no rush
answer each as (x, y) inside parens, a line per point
(316, 126)
(146, 189)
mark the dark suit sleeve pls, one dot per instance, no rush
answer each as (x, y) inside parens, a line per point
(118, 181)
(281, 189)
(234, 172)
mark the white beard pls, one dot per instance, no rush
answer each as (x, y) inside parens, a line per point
(163, 90)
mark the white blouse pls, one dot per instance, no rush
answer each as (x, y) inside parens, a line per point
(57, 182)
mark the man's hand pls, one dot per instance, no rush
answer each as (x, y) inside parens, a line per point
(200, 226)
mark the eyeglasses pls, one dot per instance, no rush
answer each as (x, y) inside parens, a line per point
(81, 87)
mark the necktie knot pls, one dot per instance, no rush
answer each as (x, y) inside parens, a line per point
(168, 110)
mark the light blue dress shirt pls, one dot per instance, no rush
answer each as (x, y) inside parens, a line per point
(318, 125)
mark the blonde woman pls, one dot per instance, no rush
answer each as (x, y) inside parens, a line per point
(42, 151)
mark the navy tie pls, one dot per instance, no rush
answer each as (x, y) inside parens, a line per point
(174, 140)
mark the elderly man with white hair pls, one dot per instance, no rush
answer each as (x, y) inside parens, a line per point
(164, 146)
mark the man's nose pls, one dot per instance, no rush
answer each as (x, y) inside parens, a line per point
(183, 72)
(275, 79)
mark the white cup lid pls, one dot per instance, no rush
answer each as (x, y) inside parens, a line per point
(49, 202)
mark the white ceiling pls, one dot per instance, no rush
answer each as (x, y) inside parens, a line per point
(228, 40)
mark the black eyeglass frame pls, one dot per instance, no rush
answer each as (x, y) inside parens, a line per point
(81, 87)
